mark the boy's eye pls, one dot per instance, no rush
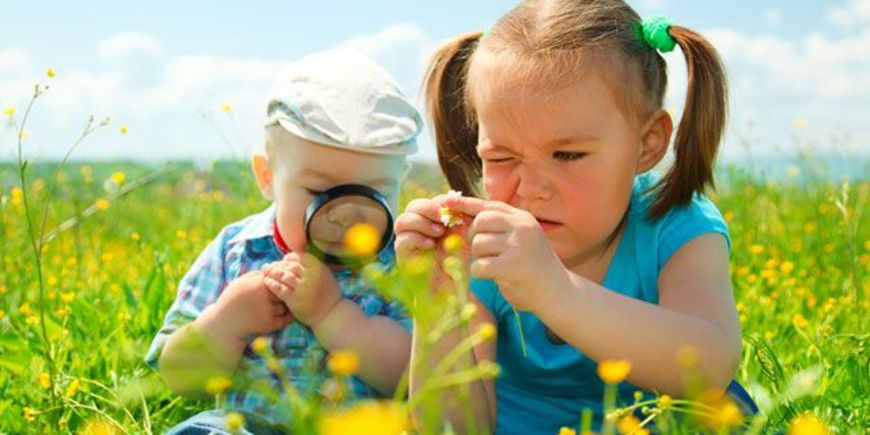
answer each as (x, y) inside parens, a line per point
(569, 155)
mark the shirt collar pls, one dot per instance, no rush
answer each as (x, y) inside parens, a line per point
(258, 226)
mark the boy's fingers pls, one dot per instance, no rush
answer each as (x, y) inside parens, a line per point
(281, 291)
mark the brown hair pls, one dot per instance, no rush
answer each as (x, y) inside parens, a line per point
(547, 42)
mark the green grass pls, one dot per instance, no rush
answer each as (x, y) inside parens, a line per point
(799, 261)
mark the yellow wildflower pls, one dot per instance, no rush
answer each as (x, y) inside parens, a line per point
(665, 401)
(786, 267)
(259, 345)
(135, 236)
(30, 413)
(24, 309)
(273, 364)
(234, 421)
(102, 203)
(807, 424)
(362, 239)
(799, 123)
(67, 297)
(181, 234)
(44, 380)
(50, 73)
(799, 321)
(32, 320)
(2, 314)
(726, 414)
(123, 129)
(370, 418)
(72, 388)
(453, 243)
(486, 331)
(10, 111)
(226, 108)
(614, 371)
(756, 249)
(217, 385)
(99, 427)
(343, 363)
(118, 177)
(567, 431)
(687, 356)
(629, 424)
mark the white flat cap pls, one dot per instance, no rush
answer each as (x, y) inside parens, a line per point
(343, 99)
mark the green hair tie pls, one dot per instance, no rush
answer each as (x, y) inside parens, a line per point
(655, 33)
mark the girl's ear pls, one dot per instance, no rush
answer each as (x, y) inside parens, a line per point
(655, 140)
(262, 173)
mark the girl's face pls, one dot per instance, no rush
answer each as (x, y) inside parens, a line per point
(568, 157)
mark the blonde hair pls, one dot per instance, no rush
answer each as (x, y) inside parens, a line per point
(547, 43)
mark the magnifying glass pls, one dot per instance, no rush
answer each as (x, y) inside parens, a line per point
(348, 225)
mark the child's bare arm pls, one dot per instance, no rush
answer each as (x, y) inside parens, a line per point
(212, 344)
(382, 344)
(310, 291)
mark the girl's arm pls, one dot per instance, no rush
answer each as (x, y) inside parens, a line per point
(481, 392)
(696, 308)
(382, 344)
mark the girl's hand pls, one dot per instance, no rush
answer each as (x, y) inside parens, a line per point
(509, 247)
(305, 285)
(419, 227)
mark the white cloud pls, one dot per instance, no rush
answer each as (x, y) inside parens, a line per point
(854, 14)
(14, 61)
(126, 45)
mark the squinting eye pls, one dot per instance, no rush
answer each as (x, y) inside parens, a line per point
(312, 192)
(499, 160)
(569, 155)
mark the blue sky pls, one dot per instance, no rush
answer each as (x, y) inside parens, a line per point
(163, 68)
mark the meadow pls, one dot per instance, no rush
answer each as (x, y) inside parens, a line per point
(91, 253)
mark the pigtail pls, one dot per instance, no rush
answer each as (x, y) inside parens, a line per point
(453, 121)
(701, 125)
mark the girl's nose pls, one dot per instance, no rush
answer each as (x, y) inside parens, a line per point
(533, 183)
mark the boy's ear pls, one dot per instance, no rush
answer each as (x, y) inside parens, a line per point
(262, 173)
(655, 140)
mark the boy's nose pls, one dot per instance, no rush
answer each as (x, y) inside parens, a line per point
(345, 215)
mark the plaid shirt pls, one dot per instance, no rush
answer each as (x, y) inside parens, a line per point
(249, 245)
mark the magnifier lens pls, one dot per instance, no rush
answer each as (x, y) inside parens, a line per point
(349, 227)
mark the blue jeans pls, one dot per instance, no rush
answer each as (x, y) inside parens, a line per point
(212, 422)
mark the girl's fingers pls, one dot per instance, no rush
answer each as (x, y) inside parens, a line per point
(420, 224)
(489, 221)
(487, 245)
(409, 242)
(484, 268)
(474, 206)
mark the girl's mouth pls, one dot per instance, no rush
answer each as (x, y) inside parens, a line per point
(548, 225)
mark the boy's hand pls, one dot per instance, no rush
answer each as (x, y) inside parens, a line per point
(247, 307)
(305, 285)
(510, 248)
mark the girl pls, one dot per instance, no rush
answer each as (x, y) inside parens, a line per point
(558, 111)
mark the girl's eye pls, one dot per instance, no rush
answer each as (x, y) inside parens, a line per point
(568, 156)
(498, 160)
(312, 192)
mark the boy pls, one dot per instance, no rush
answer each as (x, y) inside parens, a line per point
(333, 118)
